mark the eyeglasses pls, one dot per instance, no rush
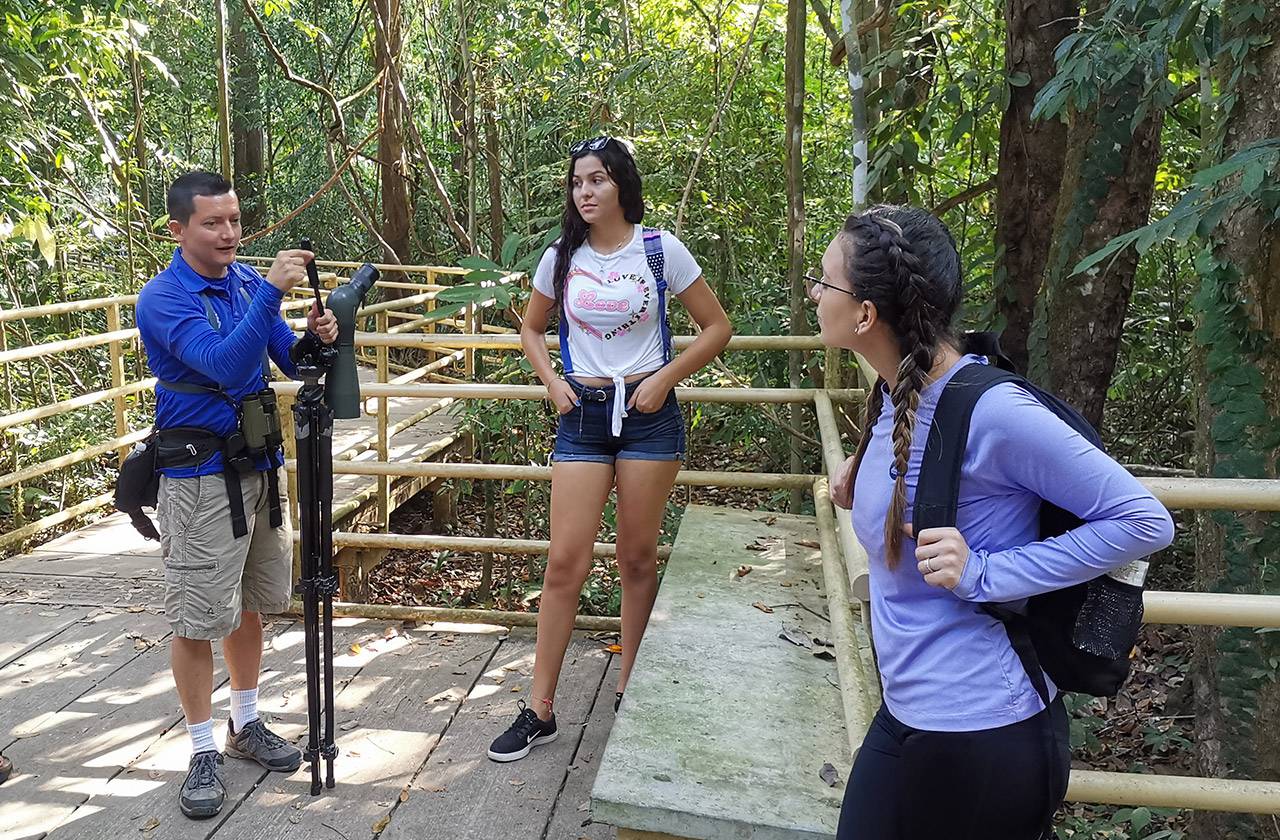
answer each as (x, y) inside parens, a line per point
(595, 144)
(815, 281)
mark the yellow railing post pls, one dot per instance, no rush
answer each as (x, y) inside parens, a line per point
(117, 377)
(384, 482)
(469, 359)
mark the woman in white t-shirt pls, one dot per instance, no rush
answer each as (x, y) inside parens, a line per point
(607, 282)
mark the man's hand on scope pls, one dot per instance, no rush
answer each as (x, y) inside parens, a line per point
(323, 324)
(289, 268)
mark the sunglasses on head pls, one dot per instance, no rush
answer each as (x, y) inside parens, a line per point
(595, 144)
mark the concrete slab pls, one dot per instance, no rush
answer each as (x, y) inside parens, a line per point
(725, 726)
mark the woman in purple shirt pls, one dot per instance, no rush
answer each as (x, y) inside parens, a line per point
(962, 747)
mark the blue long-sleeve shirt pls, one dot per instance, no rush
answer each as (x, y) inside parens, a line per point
(182, 346)
(945, 664)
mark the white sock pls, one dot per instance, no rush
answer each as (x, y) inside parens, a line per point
(202, 737)
(244, 707)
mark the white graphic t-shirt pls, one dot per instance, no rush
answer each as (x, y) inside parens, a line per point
(613, 320)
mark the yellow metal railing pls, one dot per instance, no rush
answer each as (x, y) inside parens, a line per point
(120, 341)
(844, 562)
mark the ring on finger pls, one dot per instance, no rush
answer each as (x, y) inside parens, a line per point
(928, 564)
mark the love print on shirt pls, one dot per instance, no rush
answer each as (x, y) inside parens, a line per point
(589, 301)
(616, 294)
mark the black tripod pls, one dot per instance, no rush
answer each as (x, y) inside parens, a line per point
(313, 431)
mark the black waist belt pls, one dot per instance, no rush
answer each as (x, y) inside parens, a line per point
(191, 446)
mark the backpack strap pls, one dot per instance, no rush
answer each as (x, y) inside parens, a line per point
(938, 487)
(562, 321)
(937, 496)
(657, 261)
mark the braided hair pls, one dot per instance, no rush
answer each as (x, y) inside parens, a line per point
(621, 166)
(905, 261)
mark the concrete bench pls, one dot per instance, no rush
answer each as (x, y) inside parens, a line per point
(725, 726)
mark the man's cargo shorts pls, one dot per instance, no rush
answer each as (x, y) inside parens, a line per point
(211, 576)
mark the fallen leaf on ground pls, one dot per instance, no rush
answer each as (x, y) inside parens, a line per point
(762, 607)
(499, 680)
(808, 543)
(134, 608)
(150, 824)
(355, 648)
(404, 794)
(744, 569)
(614, 648)
(515, 782)
(823, 653)
(381, 824)
(829, 775)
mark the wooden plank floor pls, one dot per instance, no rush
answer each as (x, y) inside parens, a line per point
(89, 716)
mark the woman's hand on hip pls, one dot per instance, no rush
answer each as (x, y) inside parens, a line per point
(650, 394)
(563, 396)
(941, 554)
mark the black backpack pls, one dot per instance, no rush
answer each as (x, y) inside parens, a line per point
(1080, 636)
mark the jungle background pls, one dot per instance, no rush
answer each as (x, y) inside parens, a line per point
(1111, 172)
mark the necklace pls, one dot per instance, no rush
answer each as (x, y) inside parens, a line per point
(616, 249)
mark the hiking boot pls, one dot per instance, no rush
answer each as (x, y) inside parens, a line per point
(6, 769)
(204, 790)
(527, 732)
(257, 743)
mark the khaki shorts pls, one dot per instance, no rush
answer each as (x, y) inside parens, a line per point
(211, 576)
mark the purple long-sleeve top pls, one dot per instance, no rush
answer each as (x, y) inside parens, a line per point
(945, 664)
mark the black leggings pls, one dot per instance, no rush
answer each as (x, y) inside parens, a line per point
(992, 784)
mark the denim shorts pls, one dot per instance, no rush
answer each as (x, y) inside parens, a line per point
(585, 432)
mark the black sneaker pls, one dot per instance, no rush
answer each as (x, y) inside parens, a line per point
(203, 791)
(257, 743)
(526, 733)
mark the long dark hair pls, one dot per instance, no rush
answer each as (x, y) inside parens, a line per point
(621, 167)
(904, 260)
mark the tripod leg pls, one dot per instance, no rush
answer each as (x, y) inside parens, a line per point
(324, 492)
(309, 522)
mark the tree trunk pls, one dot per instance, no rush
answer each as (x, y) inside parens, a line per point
(859, 148)
(1238, 313)
(224, 107)
(797, 18)
(140, 153)
(395, 192)
(248, 135)
(1030, 170)
(1107, 184)
(493, 165)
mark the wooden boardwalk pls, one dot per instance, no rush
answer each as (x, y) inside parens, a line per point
(90, 718)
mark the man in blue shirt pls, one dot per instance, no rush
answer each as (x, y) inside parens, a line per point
(209, 325)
